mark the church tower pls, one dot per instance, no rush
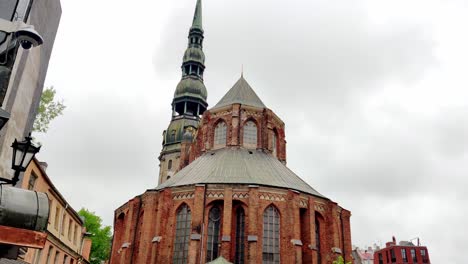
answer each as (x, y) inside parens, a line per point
(189, 101)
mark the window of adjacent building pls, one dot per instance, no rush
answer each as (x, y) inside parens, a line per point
(75, 235)
(57, 217)
(424, 256)
(392, 253)
(403, 255)
(413, 255)
(182, 235)
(72, 261)
(56, 258)
(65, 258)
(380, 258)
(250, 135)
(271, 235)
(220, 135)
(169, 164)
(32, 181)
(70, 226)
(274, 144)
(37, 256)
(62, 227)
(49, 254)
(240, 236)
(214, 228)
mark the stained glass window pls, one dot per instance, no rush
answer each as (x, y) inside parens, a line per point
(220, 135)
(182, 235)
(250, 135)
(271, 235)
(240, 236)
(214, 228)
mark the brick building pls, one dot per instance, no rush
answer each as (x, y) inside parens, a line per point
(67, 242)
(224, 189)
(403, 253)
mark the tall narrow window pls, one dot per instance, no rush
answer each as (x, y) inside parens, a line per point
(271, 235)
(250, 135)
(32, 181)
(70, 226)
(57, 218)
(380, 258)
(240, 236)
(49, 254)
(424, 256)
(182, 235)
(403, 255)
(220, 135)
(274, 145)
(65, 259)
(169, 165)
(317, 240)
(56, 258)
(214, 228)
(392, 253)
(413, 255)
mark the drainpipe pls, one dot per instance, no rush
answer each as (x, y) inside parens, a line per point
(203, 225)
(134, 233)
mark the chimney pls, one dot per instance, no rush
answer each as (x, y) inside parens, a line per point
(43, 165)
(394, 240)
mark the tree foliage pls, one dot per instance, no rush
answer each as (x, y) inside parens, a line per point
(48, 110)
(340, 260)
(101, 236)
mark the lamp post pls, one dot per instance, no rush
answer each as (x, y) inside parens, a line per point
(23, 153)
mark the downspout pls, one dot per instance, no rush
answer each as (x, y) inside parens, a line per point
(203, 225)
(134, 233)
(342, 236)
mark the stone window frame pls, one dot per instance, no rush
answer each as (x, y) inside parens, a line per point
(182, 231)
(271, 235)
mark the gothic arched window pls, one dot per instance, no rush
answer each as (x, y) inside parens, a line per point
(182, 235)
(220, 135)
(240, 236)
(214, 228)
(250, 134)
(271, 235)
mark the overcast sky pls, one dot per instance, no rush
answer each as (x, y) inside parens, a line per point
(373, 94)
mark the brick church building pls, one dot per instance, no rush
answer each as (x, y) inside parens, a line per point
(224, 189)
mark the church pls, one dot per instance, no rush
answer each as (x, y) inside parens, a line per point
(225, 194)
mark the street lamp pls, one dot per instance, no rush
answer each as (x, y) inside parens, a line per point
(23, 153)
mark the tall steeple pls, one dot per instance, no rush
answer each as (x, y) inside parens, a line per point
(189, 101)
(190, 95)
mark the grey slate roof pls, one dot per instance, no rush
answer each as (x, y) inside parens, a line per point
(239, 166)
(240, 93)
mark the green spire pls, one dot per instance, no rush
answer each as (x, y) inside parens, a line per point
(197, 17)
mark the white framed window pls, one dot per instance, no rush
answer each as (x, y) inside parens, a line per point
(220, 135)
(250, 135)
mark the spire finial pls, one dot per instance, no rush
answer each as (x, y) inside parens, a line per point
(242, 70)
(197, 17)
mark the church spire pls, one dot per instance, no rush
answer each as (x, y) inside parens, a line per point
(197, 17)
(190, 95)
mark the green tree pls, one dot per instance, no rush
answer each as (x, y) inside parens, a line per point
(101, 236)
(48, 110)
(340, 260)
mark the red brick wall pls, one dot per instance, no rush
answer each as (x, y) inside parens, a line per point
(399, 258)
(153, 214)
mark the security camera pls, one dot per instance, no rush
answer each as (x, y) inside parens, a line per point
(26, 34)
(28, 37)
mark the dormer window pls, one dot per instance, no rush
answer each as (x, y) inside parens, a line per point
(220, 135)
(250, 135)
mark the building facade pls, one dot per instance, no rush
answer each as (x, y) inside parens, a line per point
(403, 253)
(224, 189)
(67, 241)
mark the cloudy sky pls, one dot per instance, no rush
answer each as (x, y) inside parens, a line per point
(373, 94)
